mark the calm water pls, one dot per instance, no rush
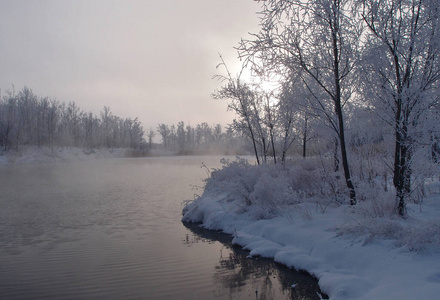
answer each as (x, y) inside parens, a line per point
(110, 229)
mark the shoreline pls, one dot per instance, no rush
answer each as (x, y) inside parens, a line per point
(303, 237)
(230, 239)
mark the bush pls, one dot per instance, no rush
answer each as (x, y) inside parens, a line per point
(270, 187)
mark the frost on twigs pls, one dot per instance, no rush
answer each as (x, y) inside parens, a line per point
(265, 191)
(413, 234)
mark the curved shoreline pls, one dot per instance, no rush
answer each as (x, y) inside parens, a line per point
(346, 267)
(227, 239)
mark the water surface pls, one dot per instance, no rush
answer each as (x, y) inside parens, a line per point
(111, 229)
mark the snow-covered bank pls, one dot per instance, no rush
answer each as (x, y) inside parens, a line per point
(35, 154)
(353, 255)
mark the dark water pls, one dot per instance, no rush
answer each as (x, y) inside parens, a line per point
(110, 229)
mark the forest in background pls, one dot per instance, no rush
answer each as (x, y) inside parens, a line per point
(30, 120)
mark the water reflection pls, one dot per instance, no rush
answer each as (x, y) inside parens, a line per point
(111, 230)
(237, 276)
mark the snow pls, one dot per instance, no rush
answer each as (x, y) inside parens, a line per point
(34, 154)
(353, 255)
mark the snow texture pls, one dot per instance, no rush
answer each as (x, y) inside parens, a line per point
(353, 254)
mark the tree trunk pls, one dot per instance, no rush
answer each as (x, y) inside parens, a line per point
(398, 180)
(253, 139)
(338, 110)
(345, 159)
(305, 136)
(400, 171)
(255, 148)
(336, 156)
(273, 145)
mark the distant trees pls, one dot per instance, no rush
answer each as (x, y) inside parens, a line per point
(200, 139)
(151, 134)
(30, 120)
(27, 119)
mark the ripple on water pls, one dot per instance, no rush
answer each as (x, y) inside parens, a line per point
(112, 230)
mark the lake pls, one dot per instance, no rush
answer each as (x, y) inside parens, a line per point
(111, 229)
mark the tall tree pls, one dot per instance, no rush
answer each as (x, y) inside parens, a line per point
(321, 37)
(402, 72)
(243, 104)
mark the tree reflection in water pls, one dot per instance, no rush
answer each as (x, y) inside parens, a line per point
(239, 277)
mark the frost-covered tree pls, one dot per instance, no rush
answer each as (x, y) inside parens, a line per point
(295, 114)
(321, 37)
(181, 136)
(243, 103)
(106, 121)
(190, 138)
(402, 70)
(164, 132)
(151, 134)
(27, 119)
(91, 124)
(8, 119)
(135, 132)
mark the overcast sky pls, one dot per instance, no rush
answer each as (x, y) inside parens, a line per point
(150, 59)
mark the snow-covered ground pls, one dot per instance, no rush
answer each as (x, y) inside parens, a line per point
(35, 154)
(355, 252)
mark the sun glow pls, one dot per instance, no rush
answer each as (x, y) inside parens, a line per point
(269, 83)
(269, 86)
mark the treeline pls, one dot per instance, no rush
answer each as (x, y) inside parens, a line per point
(27, 119)
(200, 139)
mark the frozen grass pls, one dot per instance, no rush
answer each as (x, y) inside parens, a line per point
(299, 216)
(375, 220)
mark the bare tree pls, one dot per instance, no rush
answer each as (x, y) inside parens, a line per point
(164, 131)
(106, 121)
(151, 134)
(320, 37)
(26, 119)
(402, 72)
(242, 103)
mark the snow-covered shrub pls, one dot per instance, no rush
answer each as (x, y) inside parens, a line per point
(415, 235)
(302, 180)
(374, 201)
(314, 179)
(266, 189)
(422, 235)
(237, 178)
(271, 193)
(422, 169)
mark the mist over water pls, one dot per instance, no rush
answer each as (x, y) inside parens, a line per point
(110, 229)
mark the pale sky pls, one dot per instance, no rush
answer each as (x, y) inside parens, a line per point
(149, 59)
